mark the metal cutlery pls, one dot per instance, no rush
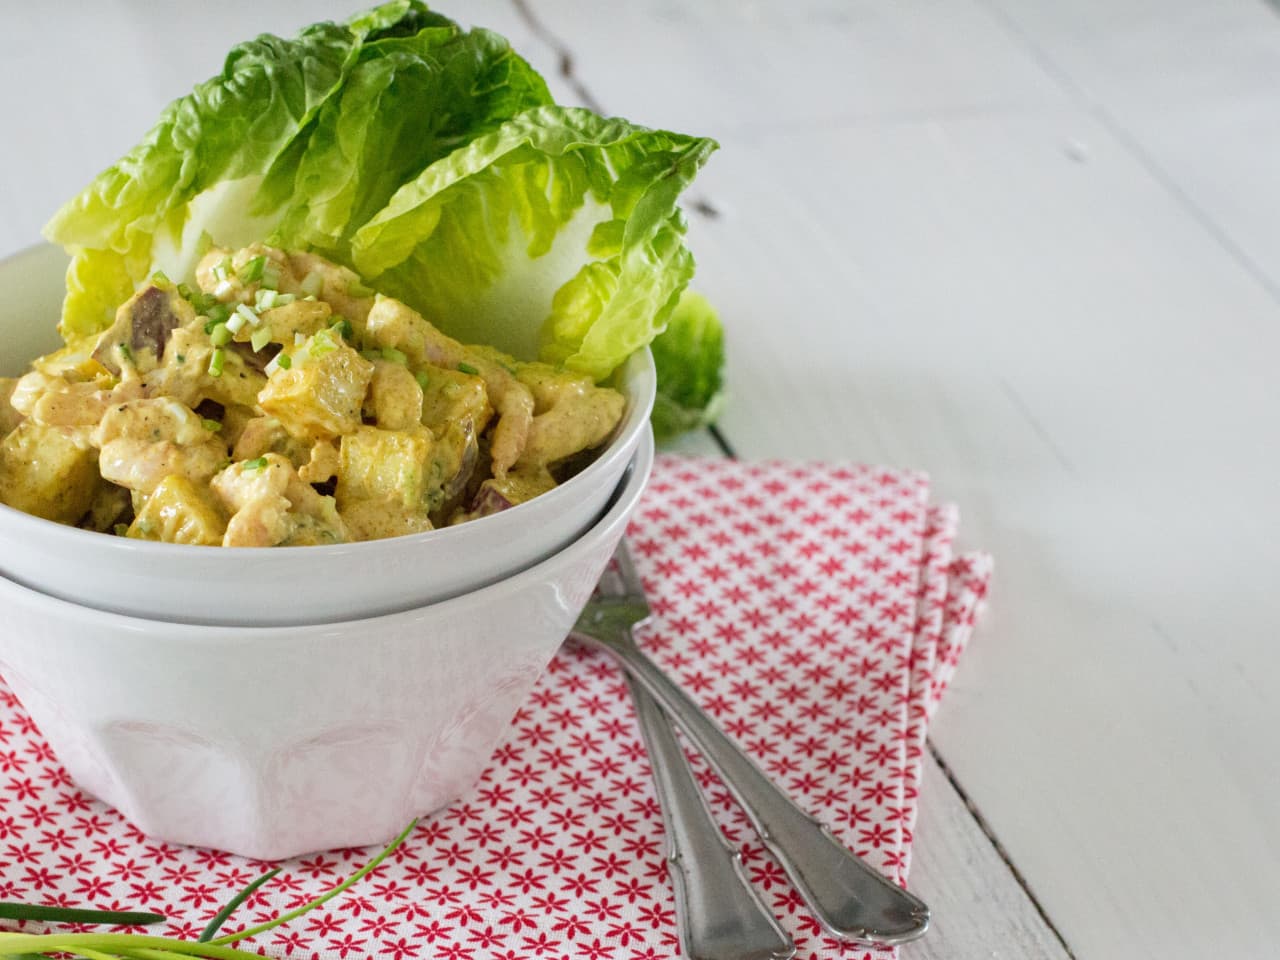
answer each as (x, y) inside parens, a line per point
(719, 914)
(851, 900)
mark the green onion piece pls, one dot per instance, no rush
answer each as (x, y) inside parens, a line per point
(371, 354)
(218, 313)
(215, 363)
(394, 355)
(321, 344)
(261, 337)
(221, 335)
(467, 368)
(324, 897)
(252, 270)
(182, 358)
(284, 299)
(125, 351)
(159, 277)
(222, 269)
(423, 379)
(213, 426)
(224, 914)
(264, 300)
(344, 328)
(270, 276)
(26, 911)
(256, 464)
(284, 361)
(357, 289)
(249, 315)
(312, 284)
(185, 291)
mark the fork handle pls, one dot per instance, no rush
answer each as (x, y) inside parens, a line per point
(850, 899)
(719, 914)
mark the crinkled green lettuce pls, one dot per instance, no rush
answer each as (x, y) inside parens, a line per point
(689, 356)
(232, 127)
(429, 158)
(298, 141)
(557, 234)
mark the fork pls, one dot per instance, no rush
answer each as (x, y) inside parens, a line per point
(718, 913)
(851, 900)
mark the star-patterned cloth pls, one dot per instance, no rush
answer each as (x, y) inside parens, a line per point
(815, 610)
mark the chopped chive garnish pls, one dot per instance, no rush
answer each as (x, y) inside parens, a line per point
(467, 368)
(252, 270)
(159, 277)
(270, 276)
(126, 352)
(264, 300)
(357, 289)
(284, 299)
(213, 426)
(215, 363)
(344, 328)
(321, 344)
(283, 361)
(222, 269)
(255, 464)
(221, 335)
(182, 358)
(422, 378)
(261, 337)
(249, 315)
(185, 291)
(219, 313)
(394, 355)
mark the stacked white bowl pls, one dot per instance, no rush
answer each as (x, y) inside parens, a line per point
(272, 702)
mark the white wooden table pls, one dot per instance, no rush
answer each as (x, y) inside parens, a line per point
(1030, 246)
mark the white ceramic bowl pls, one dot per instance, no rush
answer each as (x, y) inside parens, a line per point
(283, 585)
(272, 742)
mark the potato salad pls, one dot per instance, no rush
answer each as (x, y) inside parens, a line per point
(282, 402)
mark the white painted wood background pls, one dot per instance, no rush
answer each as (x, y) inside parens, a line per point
(1032, 246)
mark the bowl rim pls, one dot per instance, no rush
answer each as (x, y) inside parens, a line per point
(73, 538)
(622, 504)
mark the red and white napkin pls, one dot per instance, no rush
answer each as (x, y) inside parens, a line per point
(816, 610)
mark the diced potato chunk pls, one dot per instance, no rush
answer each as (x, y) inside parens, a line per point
(395, 398)
(385, 465)
(179, 512)
(51, 472)
(450, 396)
(322, 392)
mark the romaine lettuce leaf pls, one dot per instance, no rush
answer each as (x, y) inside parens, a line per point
(231, 127)
(689, 356)
(297, 141)
(408, 101)
(556, 235)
